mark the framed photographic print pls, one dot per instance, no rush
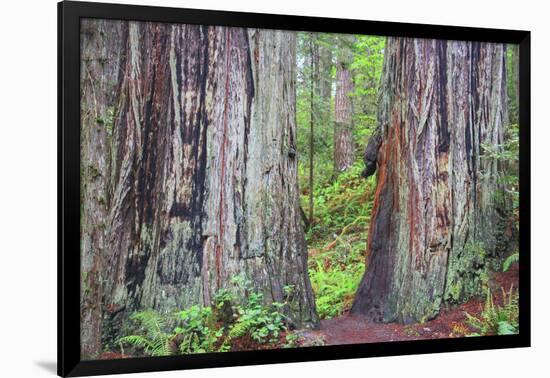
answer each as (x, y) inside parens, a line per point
(239, 188)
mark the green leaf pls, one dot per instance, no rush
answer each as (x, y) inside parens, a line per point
(505, 328)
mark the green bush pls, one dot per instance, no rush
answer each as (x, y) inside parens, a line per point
(202, 329)
(198, 331)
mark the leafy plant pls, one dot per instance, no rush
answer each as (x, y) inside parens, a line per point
(215, 328)
(198, 332)
(153, 338)
(513, 258)
(495, 319)
(263, 323)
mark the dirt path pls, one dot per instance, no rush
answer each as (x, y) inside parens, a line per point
(450, 323)
(348, 329)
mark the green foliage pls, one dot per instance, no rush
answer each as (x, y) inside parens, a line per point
(263, 323)
(312, 107)
(512, 80)
(337, 240)
(513, 258)
(368, 58)
(199, 330)
(335, 284)
(367, 53)
(215, 328)
(497, 319)
(507, 154)
(346, 201)
(292, 340)
(153, 338)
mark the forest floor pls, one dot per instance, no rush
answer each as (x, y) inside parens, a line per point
(450, 323)
(348, 329)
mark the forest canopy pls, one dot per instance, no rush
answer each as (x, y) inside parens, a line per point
(248, 189)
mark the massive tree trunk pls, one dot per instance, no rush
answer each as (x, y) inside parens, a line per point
(101, 43)
(343, 112)
(437, 218)
(276, 251)
(204, 172)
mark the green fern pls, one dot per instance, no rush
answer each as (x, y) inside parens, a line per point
(513, 258)
(154, 339)
(497, 320)
(200, 329)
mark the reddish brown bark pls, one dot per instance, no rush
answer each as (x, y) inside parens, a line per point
(100, 59)
(202, 181)
(437, 217)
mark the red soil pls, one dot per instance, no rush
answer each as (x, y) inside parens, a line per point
(113, 356)
(349, 329)
(450, 323)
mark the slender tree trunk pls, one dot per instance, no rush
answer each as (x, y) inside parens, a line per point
(203, 173)
(314, 85)
(101, 43)
(437, 218)
(325, 85)
(513, 82)
(343, 113)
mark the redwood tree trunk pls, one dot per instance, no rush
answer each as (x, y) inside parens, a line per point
(204, 173)
(437, 219)
(343, 112)
(101, 43)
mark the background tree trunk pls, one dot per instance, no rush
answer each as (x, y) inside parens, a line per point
(203, 179)
(315, 87)
(325, 84)
(276, 253)
(513, 82)
(343, 111)
(437, 213)
(101, 43)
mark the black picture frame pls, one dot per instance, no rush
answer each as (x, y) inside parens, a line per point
(69, 15)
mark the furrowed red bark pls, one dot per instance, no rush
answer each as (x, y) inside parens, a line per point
(437, 219)
(252, 224)
(101, 43)
(276, 253)
(202, 181)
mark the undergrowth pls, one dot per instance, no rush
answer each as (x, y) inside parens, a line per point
(497, 319)
(229, 323)
(337, 240)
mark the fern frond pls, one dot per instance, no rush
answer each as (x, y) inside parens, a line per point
(136, 340)
(513, 258)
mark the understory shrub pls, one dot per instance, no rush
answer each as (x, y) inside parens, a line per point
(214, 328)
